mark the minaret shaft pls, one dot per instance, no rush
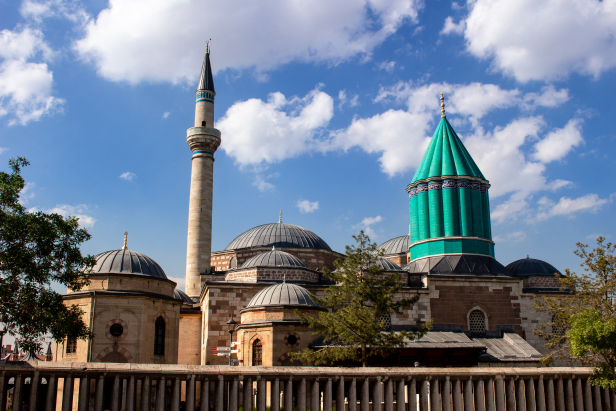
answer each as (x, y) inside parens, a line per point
(203, 139)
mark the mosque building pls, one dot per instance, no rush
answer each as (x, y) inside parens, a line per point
(482, 311)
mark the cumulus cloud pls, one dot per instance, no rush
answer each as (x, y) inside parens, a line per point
(559, 142)
(542, 39)
(388, 66)
(451, 27)
(366, 225)
(166, 114)
(262, 184)
(26, 83)
(345, 100)
(26, 194)
(157, 40)
(128, 176)
(258, 132)
(80, 211)
(306, 206)
(71, 10)
(568, 206)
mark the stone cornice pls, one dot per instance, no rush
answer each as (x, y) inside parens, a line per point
(441, 178)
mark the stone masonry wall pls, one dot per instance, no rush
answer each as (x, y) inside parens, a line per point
(452, 299)
(273, 274)
(542, 282)
(313, 258)
(190, 338)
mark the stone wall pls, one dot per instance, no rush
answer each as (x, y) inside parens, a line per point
(452, 298)
(130, 282)
(273, 274)
(189, 349)
(542, 282)
(315, 259)
(137, 316)
(400, 259)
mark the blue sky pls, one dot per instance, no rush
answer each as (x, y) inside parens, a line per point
(325, 109)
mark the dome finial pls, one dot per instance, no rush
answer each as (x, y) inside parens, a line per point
(125, 247)
(273, 248)
(280, 217)
(284, 278)
(207, 46)
(442, 105)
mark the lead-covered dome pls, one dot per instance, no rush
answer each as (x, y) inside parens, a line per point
(274, 258)
(282, 294)
(387, 265)
(396, 245)
(125, 261)
(279, 235)
(181, 295)
(531, 267)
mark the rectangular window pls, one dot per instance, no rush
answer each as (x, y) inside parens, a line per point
(71, 346)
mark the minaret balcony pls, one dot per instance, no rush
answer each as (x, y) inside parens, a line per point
(205, 139)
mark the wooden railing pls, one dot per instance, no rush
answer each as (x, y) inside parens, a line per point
(51, 386)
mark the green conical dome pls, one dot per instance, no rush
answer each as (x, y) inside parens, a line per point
(448, 199)
(446, 156)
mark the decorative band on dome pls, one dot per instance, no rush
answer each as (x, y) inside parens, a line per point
(448, 184)
(202, 152)
(442, 179)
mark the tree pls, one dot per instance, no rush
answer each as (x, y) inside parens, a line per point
(36, 250)
(583, 319)
(354, 326)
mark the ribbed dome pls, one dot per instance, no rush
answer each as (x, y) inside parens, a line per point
(387, 265)
(279, 235)
(127, 262)
(181, 295)
(274, 258)
(446, 156)
(396, 245)
(282, 294)
(530, 267)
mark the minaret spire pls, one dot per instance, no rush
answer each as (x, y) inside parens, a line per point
(203, 140)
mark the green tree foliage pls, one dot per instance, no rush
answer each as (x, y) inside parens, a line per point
(37, 249)
(583, 319)
(353, 327)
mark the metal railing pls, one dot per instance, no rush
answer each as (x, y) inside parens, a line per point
(51, 386)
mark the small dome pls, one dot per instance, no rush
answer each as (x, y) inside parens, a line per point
(127, 262)
(274, 258)
(387, 265)
(395, 245)
(530, 267)
(279, 235)
(181, 295)
(282, 294)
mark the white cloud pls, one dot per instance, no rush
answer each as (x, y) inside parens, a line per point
(166, 114)
(128, 176)
(558, 143)
(306, 206)
(516, 236)
(258, 132)
(569, 206)
(388, 66)
(451, 27)
(366, 225)
(344, 99)
(66, 210)
(262, 184)
(3, 149)
(180, 281)
(543, 39)
(159, 40)
(26, 193)
(67, 9)
(25, 85)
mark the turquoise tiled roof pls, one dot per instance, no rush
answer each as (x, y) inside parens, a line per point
(446, 156)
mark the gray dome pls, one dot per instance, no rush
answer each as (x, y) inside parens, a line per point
(396, 245)
(282, 294)
(181, 295)
(279, 235)
(274, 258)
(387, 265)
(127, 262)
(530, 267)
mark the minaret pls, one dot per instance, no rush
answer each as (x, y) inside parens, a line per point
(203, 140)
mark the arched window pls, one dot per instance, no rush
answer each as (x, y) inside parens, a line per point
(257, 353)
(159, 336)
(477, 322)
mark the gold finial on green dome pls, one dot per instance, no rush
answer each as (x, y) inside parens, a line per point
(125, 247)
(442, 105)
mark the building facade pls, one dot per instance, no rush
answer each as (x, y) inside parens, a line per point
(138, 315)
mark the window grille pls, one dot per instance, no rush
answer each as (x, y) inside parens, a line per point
(557, 327)
(257, 353)
(159, 336)
(386, 320)
(71, 346)
(477, 322)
